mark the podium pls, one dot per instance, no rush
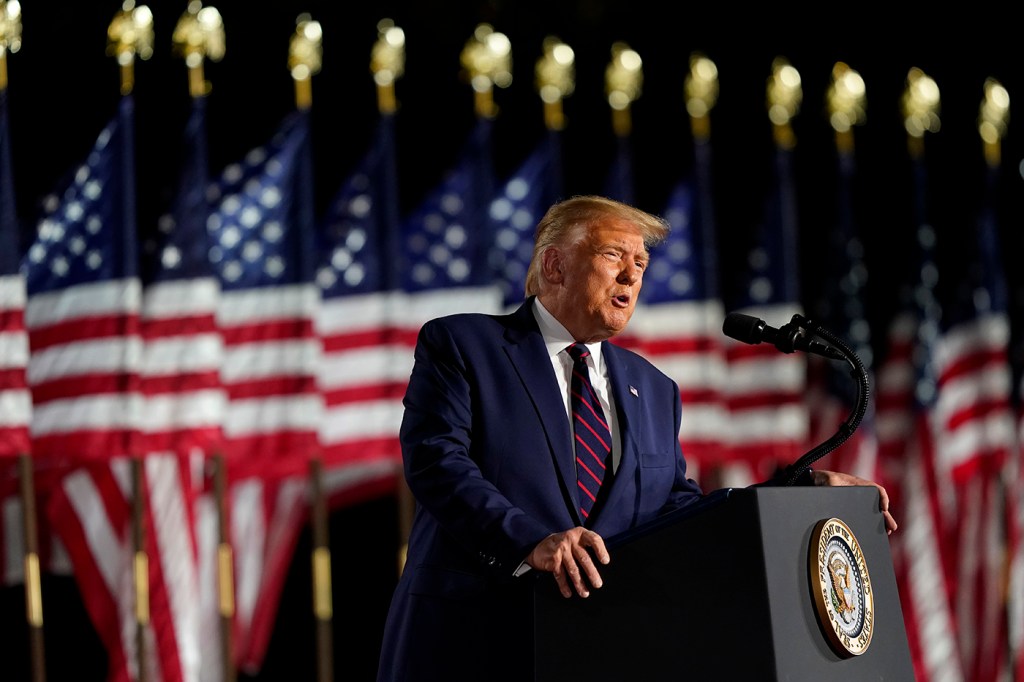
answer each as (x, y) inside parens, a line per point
(730, 591)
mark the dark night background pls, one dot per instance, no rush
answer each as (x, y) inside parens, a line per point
(64, 88)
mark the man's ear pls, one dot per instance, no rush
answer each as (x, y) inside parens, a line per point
(551, 264)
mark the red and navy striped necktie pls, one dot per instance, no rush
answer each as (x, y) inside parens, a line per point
(593, 438)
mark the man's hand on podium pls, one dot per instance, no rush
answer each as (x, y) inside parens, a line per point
(822, 477)
(568, 556)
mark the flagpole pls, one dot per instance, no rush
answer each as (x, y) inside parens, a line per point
(993, 116)
(556, 79)
(130, 34)
(198, 36)
(920, 103)
(10, 41)
(623, 78)
(387, 64)
(304, 60)
(701, 87)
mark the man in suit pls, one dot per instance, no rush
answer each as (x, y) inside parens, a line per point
(488, 446)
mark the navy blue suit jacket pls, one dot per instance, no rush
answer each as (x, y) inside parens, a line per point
(488, 456)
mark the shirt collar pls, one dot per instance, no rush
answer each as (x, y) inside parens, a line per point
(557, 337)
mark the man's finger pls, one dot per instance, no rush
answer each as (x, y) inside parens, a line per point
(563, 587)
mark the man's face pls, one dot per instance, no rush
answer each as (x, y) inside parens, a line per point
(601, 275)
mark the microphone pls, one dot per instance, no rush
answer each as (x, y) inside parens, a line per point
(791, 337)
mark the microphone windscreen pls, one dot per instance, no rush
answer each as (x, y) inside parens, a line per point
(745, 328)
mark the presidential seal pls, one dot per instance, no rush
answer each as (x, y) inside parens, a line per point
(841, 587)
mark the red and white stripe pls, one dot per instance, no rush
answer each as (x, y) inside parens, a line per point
(976, 440)
(184, 409)
(368, 342)
(15, 399)
(684, 340)
(83, 370)
(271, 427)
(906, 457)
(1015, 573)
(769, 425)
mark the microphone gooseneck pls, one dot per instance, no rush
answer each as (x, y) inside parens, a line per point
(798, 335)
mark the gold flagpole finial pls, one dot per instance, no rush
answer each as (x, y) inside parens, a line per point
(846, 103)
(920, 102)
(199, 35)
(305, 57)
(387, 62)
(555, 74)
(130, 34)
(701, 89)
(785, 94)
(10, 34)
(992, 119)
(623, 78)
(487, 60)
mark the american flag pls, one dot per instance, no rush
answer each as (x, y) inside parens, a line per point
(83, 305)
(82, 316)
(366, 349)
(515, 211)
(841, 309)
(907, 387)
(447, 237)
(768, 421)
(1015, 562)
(678, 322)
(15, 401)
(184, 407)
(976, 439)
(263, 241)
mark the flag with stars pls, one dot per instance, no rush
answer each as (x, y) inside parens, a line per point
(445, 238)
(82, 313)
(367, 354)
(82, 316)
(262, 253)
(15, 401)
(905, 400)
(768, 424)
(183, 349)
(678, 321)
(184, 405)
(515, 211)
(976, 439)
(263, 241)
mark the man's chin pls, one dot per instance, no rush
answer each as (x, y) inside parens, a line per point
(616, 324)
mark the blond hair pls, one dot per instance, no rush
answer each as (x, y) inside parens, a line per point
(566, 217)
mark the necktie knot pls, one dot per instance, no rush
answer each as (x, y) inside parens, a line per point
(578, 352)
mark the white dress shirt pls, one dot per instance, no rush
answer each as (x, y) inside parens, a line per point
(557, 339)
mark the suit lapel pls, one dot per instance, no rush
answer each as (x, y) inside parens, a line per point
(525, 346)
(628, 405)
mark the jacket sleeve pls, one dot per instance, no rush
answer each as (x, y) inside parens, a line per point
(437, 450)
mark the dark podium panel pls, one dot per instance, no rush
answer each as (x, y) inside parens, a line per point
(725, 593)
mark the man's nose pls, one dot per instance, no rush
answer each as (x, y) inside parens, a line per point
(630, 273)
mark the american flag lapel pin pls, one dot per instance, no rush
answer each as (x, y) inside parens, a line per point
(636, 393)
